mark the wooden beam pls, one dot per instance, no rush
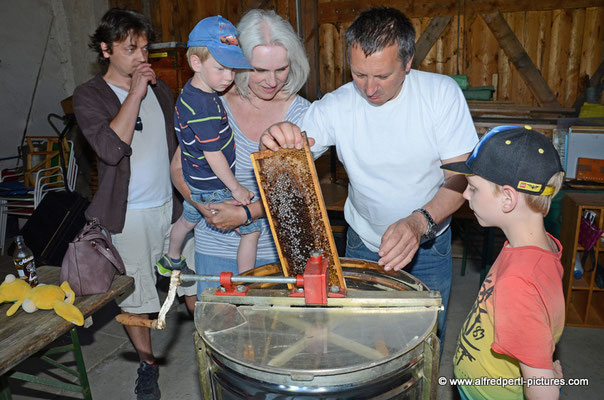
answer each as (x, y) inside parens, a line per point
(310, 38)
(431, 34)
(343, 11)
(523, 63)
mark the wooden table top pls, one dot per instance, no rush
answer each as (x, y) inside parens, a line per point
(23, 334)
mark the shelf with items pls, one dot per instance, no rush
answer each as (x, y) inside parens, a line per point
(588, 279)
(584, 295)
(169, 61)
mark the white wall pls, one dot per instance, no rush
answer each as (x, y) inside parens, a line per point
(47, 41)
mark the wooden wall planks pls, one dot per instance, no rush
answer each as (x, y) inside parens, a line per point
(564, 39)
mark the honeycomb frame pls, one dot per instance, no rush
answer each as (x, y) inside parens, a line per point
(295, 209)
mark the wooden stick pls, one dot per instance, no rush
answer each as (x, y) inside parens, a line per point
(136, 320)
(289, 353)
(341, 341)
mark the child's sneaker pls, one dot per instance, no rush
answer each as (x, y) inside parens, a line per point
(165, 266)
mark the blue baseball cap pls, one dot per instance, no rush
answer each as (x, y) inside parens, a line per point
(220, 38)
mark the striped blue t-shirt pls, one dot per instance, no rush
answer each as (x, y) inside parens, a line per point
(213, 242)
(201, 124)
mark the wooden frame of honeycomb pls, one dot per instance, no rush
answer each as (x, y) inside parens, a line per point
(295, 209)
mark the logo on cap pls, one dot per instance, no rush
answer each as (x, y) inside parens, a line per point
(532, 187)
(229, 39)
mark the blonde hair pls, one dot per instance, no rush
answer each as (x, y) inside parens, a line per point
(266, 28)
(201, 52)
(540, 204)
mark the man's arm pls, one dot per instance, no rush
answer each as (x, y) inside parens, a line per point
(125, 120)
(401, 240)
(535, 392)
(94, 110)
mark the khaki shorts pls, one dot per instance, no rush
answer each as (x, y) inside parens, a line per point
(144, 239)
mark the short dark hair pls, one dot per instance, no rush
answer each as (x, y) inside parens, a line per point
(116, 25)
(379, 27)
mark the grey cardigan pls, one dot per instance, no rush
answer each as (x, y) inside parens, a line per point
(95, 105)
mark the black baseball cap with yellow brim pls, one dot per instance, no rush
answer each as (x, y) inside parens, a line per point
(516, 156)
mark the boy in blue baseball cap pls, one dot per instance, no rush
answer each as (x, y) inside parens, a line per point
(506, 345)
(206, 139)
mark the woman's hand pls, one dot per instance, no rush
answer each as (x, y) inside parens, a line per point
(225, 216)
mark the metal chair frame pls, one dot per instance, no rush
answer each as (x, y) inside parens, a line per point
(45, 180)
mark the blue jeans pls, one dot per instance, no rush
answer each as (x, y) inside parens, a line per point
(432, 264)
(192, 214)
(212, 265)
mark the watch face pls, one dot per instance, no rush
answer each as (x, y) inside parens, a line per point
(431, 234)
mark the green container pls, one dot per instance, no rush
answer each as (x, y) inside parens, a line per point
(462, 80)
(479, 93)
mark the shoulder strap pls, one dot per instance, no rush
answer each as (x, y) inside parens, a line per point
(93, 231)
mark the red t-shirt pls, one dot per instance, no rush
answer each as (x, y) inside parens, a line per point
(518, 316)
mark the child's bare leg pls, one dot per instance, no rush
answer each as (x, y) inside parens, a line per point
(246, 253)
(177, 236)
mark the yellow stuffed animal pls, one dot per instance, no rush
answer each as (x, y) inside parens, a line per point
(44, 297)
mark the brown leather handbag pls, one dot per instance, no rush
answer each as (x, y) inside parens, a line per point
(91, 261)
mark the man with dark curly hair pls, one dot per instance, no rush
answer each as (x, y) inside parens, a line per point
(126, 116)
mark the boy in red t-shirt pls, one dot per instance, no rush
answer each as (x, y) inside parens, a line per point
(512, 329)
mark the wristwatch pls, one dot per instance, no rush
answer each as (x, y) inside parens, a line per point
(249, 216)
(431, 231)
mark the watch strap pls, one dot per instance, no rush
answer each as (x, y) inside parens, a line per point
(248, 215)
(431, 229)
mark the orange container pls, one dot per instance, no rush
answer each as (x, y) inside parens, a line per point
(590, 169)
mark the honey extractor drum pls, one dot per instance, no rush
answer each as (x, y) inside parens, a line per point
(274, 351)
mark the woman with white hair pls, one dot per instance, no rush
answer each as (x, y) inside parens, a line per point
(259, 98)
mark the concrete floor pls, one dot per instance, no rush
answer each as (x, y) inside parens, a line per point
(111, 361)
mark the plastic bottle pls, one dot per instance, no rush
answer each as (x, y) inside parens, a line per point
(24, 262)
(578, 271)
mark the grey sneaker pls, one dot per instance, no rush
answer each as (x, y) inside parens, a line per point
(165, 266)
(146, 383)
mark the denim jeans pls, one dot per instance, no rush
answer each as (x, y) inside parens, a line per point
(212, 265)
(192, 214)
(432, 264)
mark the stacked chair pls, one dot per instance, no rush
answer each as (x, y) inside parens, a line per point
(24, 188)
